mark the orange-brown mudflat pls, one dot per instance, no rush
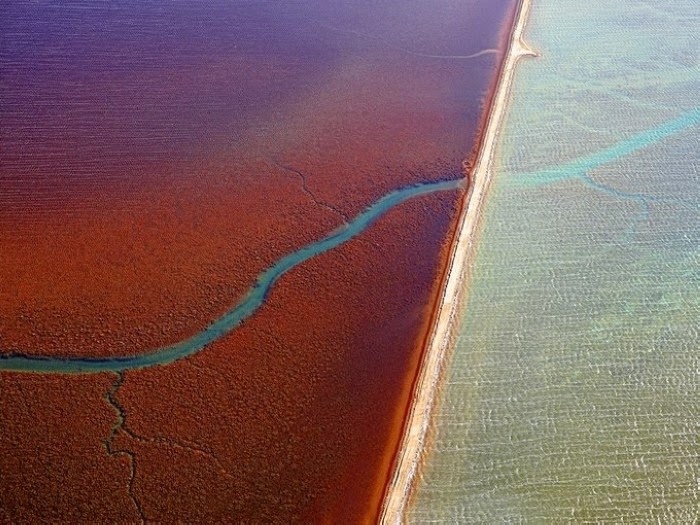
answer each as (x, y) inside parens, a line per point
(155, 159)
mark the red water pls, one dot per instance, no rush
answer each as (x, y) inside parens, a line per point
(143, 186)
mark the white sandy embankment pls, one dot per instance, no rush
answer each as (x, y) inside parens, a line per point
(448, 309)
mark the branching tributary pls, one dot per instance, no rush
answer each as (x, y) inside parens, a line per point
(581, 168)
(120, 426)
(254, 299)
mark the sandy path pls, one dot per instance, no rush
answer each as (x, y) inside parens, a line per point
(448, 309)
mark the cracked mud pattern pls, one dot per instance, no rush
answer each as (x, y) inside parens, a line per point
(55, 466)
(119, 428)
(154, 161)
(258, 424)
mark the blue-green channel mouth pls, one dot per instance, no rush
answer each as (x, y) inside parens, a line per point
(247, 306)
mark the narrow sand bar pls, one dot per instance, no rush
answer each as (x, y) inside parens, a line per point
(454, 284)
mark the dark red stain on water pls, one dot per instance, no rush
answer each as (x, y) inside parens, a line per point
(155, 158)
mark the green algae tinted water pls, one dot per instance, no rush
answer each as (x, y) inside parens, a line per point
(573, 394)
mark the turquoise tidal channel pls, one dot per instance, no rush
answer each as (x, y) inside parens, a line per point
(250, 303)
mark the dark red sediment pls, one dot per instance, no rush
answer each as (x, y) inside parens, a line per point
(292, 417)
(146, 181)
(308, 408)
(54, 466)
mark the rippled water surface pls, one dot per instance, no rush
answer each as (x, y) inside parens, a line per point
(163, 164)
(573, 391)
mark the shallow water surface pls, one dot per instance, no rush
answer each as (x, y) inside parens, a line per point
(572, 392)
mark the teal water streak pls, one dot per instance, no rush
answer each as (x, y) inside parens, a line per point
(571, 393)
(255, 297)
(252, 301)
(579, 167)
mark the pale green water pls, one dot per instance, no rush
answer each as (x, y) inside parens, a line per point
(574, 390)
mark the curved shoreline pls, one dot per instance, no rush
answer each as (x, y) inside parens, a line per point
(247, 306)
(417, 421)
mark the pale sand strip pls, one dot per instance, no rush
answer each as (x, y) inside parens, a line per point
(448, 310)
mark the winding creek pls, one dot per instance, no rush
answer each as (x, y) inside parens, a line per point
(249, 304)
(256, 295)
